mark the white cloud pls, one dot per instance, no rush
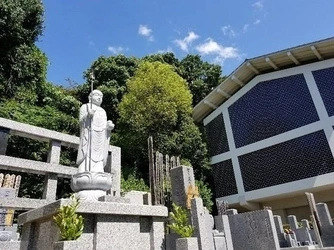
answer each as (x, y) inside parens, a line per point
(117, 50)
(211, 47)
(169, 49)
(245, 28)
(257, 21)
(228, 31)
(91, 43)
(258, 5)
(144, 30)
(186, 42)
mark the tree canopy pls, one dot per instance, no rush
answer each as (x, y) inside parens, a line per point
(155, 100)
(22, 64)
(158, 104)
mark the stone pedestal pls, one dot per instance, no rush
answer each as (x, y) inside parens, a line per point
(107, 225)
(89, 186)
(187, 244)
(69, 245)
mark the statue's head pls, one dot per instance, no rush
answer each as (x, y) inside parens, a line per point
(96, 97)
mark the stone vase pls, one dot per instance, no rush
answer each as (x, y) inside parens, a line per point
(187, 243)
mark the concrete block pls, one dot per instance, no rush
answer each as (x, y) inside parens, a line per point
(187, 244)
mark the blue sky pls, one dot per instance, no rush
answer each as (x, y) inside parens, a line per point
(224, 32)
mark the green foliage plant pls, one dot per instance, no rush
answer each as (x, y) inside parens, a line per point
(133, 183)
(180, 222)
(70, 224)
(22, 65)
(205, 193)
(156, 98)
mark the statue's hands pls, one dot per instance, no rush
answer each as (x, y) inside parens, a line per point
(91, 112)
(110, 125)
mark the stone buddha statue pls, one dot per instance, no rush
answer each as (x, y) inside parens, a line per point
(94, 135)
(91, 182)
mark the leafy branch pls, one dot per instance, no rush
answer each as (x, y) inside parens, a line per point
(180, 224)
(68, 221)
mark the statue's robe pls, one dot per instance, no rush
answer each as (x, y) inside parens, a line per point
(94, 129)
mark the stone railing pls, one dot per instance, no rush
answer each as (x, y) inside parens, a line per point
(50, 169)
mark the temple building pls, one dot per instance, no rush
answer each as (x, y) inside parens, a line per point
(270, 130)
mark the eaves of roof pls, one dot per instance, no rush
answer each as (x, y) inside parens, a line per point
(283, 59)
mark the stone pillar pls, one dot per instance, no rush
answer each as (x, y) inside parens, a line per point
(28, 236)
(201, 222)
(293, 222)
(114, 167)
(223, 225)
(305, 223)
(4, 134)
(156, 234)
(50, 182)
(324, 215)
(181, 178)
(278, 224)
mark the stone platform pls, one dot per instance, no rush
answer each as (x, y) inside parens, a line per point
(108, 225)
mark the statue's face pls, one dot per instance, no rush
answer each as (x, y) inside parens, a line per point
(97, 99)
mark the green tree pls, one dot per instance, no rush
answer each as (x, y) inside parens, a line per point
(111, 74)
(158, 103)
(22, 64)
(201, 76)
(168, 58)
(156, 98)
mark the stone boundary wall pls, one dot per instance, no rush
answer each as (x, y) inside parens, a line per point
(51, 169)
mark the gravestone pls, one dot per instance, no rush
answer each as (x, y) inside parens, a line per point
(201, 221)
(254, 231)
(222, 239)
(181, 179)
(302, 233)
(285, 240)
(326, 225)
(306, 224)
(224, 236)
(7, 232)
(324, 215)
(9, 188)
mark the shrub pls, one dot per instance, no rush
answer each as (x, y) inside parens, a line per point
(133, 183)
(180, 222)
(205, 193)
(68, 221)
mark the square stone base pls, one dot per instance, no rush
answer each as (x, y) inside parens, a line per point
(107, 226)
